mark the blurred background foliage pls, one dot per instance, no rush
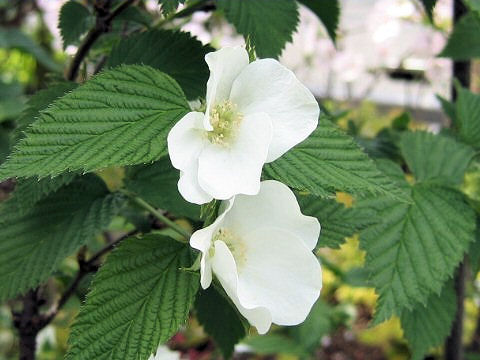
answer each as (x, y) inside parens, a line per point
(338, 327)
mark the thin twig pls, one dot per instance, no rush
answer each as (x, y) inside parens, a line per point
(85, 267)
(453, 345)
(201, 5)
(94, 259)
(27, 325)
(171, 224)
(102, 25)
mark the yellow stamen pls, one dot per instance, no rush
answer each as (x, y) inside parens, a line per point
(225, 120)
(234, 244)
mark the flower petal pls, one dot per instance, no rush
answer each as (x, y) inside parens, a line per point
(279, 273)
(267, 86)
(185, 143)
(186, 140)
(189, 187)
(225, 171)
(164, 353)
(202, 240)
(225, 65)
(225, 270)
(275, 206)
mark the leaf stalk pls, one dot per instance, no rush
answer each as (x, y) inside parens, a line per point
(145, 205)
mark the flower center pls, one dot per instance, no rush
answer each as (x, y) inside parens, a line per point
(234, 244)
(225, 120)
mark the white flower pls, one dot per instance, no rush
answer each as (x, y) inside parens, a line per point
(260, 249)
(254, 114)
(164, 353)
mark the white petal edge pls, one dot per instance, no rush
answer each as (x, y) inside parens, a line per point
(227, 171)
(275, 206)
(202, 241)
(281, 274)
(225, 269)
(267, 86)
(186, 140)
(164, 353)
(225, 65)
(189, 187)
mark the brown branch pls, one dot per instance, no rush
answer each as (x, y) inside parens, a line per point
(110, 247)
(102, 25)
(27, 324)
(475, 344)
(85, 267)
(453, 345)
(29, 321)
(204, 6)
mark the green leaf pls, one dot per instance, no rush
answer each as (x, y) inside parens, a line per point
(74, 21)
(120, 117)
(315, 327)
(135, 15)
(4, 143)
(11, 100)
(176, 53)
(448, 107)
(139, 299)
(435, 157)
(33, 243)
(338, 222)
(473, 5)
(220, 320)
(328, 161)
(158, 184)
(269, 25)
(464, 42)
(30, 191)
(429, 5)
(10, 90)
(38, 102)
(170, 6)
(275, 344)
(10, 109)
(415, 247)
(15, 39)
(474, 252)
(328, 12)
(428, 326)
(467, 115)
